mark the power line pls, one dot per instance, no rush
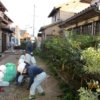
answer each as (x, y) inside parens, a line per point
(73, 9)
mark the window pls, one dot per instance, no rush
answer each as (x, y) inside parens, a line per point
(97, 28)
(87, 29)
(84, 29)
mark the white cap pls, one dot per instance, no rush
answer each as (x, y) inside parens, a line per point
(21, 67)
(32, 38)
(21, 61)
(3, 68)
(1, 76)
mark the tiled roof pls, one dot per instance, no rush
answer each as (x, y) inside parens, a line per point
(8, 18)
(56, 8)
(44, 27)
(72, 6)
(83, 12)
(86, 1)
(1, 4)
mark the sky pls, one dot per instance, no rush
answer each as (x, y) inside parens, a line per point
(21, 12)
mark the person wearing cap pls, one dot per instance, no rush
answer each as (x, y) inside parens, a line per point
(20, 79)
(29, 51)
(36, 77)
(2, 83)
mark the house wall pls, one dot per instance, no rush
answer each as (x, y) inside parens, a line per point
(83, 22)
(51, 30)
(61, 15)
(0, 41)
(56, 17)
(43, 35)
(88, 21)
(93, 1)
(65, 15)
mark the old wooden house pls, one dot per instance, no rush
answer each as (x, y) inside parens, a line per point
(5, 31)
(86, 21)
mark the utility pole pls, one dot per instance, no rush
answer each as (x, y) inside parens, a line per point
(34, 21)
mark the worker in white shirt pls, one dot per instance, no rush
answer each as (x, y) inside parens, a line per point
(24, 57)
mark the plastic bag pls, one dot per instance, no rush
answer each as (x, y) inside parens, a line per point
(10, 74)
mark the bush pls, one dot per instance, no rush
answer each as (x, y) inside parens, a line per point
(23, 44)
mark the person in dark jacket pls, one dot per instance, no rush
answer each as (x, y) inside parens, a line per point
(36, 75)
(29, 51)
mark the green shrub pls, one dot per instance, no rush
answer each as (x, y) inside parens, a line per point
(68, 96)
(23, 44)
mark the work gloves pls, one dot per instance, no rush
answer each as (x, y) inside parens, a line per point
(31, 53)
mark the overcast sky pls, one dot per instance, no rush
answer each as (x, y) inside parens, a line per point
(21, 12)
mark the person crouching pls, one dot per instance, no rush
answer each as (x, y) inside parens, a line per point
(20, 78)
(36, 76)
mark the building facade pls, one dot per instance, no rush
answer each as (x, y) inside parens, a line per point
(5, 31)
(59, 14)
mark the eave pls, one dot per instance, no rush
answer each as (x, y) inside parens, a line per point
(81, 16)
(53, 12)
(50, 25)
(3, 6)
(7, 30)
(86, 1)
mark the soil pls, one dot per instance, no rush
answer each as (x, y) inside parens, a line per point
(13, 92)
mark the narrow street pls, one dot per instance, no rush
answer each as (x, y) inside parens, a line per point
(14, 92)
